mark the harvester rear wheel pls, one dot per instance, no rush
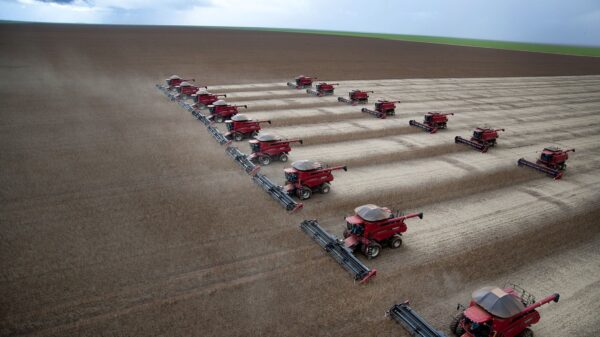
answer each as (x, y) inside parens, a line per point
(264, 160)
(283, 157)
(455, 326)
(325, 188)
(372, 250)
(304, 193)
(238, 137)
(395, 241)
(526, 333)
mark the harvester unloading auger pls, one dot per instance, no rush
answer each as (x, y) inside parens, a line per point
(553, 161)
(338, 251)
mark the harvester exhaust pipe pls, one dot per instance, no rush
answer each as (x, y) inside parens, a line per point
(417, 326)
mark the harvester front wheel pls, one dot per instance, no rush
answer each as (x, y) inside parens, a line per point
(455, 326)
(325, 188)
(304, 193)
(264, 160)
(372, 250)
(238, 136)
(283, 157)
(526, 333)
(395, 241)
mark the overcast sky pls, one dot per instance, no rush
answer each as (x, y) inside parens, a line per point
(575, 22)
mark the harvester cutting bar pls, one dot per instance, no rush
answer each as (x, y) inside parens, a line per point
(217, 135)
(481, 147)
(556, 174)
(242, 159)
(422, 126)
(412, 322)
(338, 251)
(347, 100)
(202, 118)
(375, 113)
(276, 192)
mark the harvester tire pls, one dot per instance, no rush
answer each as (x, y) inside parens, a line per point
(283, 157)
(238, 137)
(254, 134)
(325, 188)
(455, 326)
(372, 250)
(304, 193)
(526, 333)
(264, 160)
(395, 241)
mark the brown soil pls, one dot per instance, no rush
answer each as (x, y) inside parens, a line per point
(119, 214)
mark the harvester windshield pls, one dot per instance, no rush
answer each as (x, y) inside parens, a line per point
(477, 134)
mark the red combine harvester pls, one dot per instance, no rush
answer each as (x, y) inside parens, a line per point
(322, 89)
(203, 98)
(266, 147)
(185, 89)
(432, 121)
(302, 82)
(308, 176)
(356, 97)
(372, 227)
(240, 126)
(492, 312)
(482, 140)
(383, 109)
(175, 81)
(553, 161)
(221, 111)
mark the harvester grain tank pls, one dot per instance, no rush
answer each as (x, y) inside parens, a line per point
(266, 148)
(240, 127)
(322, 89)
(482, 139)
(308, 176)
(432, 121)
(356, 97)
(302, 82)
(383, 108)
(552, 161)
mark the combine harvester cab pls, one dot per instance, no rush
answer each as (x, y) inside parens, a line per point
(302, 82)
(266, 148)
(220, 111)
(372, 227)
(356, 97)
(432, 121)
(499, 312)
(308, 176)
(203, 98)
(336, 248)
(383, 108)
(552, 161)
(482, 139)
(412, 322)
(322, 89)
(240, 127)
